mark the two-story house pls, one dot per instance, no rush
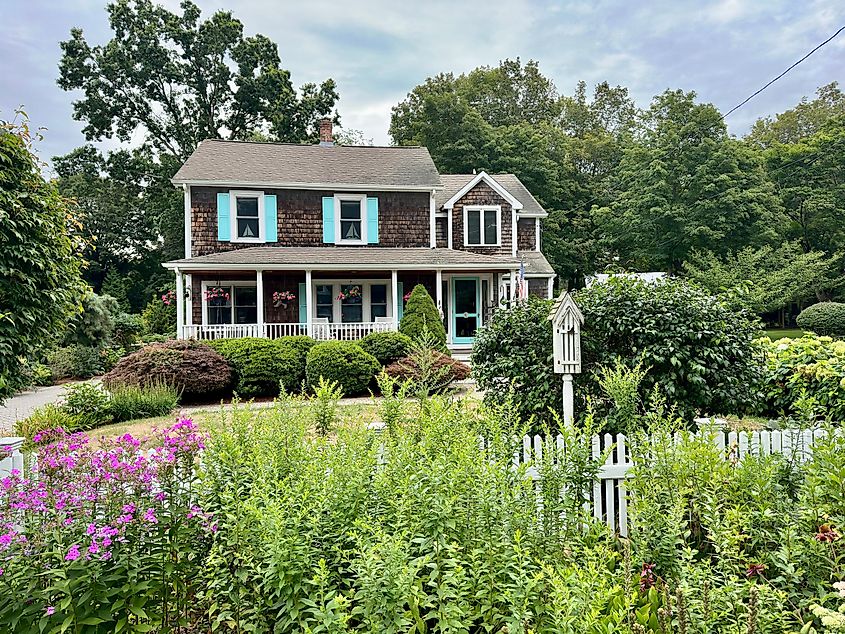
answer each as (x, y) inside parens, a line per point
(328, 240)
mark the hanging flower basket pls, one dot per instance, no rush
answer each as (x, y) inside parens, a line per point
(216, 292)
(282, 298)
(168, 298)
(355, 291)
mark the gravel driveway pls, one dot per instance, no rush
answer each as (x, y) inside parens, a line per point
(24, 403)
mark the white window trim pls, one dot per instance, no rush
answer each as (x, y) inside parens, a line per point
(233, 214)
(207, 285)
(482, 209)
(365, 303)
(362, 200)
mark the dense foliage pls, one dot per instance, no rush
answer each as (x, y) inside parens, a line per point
(341, 362)
(422, 320)
(698, 350)
(428, 367)
(805, 377)
(193, 368)
(824, 318)
(387, 347)
(262, 367)
(40, 260)
(159, 318)
(512, 355)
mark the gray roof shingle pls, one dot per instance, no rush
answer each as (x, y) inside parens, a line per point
(535, 263)
(341, 258)
(452, 184)
(287, 164)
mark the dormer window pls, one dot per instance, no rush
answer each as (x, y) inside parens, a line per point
(350, 216)
(482, 226)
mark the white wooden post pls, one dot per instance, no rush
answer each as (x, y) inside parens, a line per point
(189, 306)
(11, 457)
(568, 401)
(394, 294)
(513, 287)
(259, 301)
(438, 292)
(309, 302)
(180, 305)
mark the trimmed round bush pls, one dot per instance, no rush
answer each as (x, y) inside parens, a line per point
(824, 318)
(302, 344)
(344, 362)
(193, 368)
(387, 347)
(262, 366)
(421, 317)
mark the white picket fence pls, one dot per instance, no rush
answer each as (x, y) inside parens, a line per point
(609, 499)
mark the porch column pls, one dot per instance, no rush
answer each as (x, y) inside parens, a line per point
(259, 301)
(309, 302)
(439, 292)
(180, 305)
(189, 307)
(513, 286)
(394, 293)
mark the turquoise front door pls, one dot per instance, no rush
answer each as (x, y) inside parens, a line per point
(466, 308)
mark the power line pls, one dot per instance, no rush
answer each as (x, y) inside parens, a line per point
(754, 94)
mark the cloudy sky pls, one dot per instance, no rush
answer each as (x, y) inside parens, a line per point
(377, 50)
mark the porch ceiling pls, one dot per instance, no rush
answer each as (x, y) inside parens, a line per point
(333, 258)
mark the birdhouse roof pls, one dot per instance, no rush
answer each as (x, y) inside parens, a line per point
(565, 304)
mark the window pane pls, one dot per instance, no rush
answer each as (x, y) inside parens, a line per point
(324, 294)
(352, 313)
(246, 296)
(473, 227)
(246, 315)
(490, 236)
(325, 311)
(247, 227)
(378, 294)
(219, 315)
(377, 310)
(350, 229)
(350, 210)
(247, 207)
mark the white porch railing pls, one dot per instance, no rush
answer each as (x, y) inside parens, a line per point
(320, 331)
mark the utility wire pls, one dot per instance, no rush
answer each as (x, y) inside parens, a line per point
(754, 94)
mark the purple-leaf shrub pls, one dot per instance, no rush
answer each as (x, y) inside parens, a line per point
(104, 538)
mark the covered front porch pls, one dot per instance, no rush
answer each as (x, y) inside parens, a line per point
(332, 304)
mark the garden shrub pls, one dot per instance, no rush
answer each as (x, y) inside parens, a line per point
(131, 402)
(50, 416)
(159, 318)
(94, 326)
(127, 329)
(512, 357)
(428, 368)
(824, 318)
(421, 316)
(262, 366)
(37, 374)
(115, 526)
(302, 344)
(343, 362)
(74, 362)
(194, 369)
(697, 349)
(88, 403)
(810, 368)
(387, 347)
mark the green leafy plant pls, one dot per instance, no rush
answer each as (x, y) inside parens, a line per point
(824, 318)
(341, 362)
(387, 347)
(621, 384)
(193, 368)
(428, 370)
(74, 362)
(88, 403)
(325, 404)
(127, 329)
(263, 366)
(421, 318)
(50, 416)
(159, 318)
(132, 402)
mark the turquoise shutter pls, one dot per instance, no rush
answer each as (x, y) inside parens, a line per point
(372, 220)
(224, 225)
(400, 303)
(303, 307)
(271, 222)
(328, 219)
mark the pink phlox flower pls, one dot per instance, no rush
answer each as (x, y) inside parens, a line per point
(150, 517)
(91, 529)
(72, 553)
(94, 548)
(50, 611)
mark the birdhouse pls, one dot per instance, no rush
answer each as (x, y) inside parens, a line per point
(566, 321)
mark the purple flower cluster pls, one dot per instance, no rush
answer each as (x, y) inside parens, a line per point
(86, 502)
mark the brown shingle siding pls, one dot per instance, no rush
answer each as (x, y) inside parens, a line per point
(526, 238)
(482, 194)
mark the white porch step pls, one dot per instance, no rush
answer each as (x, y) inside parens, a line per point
(461, 353)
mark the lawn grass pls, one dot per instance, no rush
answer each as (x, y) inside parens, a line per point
(780, 333)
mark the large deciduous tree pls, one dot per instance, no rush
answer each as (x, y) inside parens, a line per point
(40, 259)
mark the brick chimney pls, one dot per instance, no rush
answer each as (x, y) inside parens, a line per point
(326, 138)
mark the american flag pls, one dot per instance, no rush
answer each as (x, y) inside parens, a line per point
(522, 289)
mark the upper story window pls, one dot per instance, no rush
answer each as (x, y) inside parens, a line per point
(247, 211)
(350, 216)
(482, 226)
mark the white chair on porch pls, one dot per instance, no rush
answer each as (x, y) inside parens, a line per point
(320, 329)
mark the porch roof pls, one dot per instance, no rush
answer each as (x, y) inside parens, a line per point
(535, 263)
(335, 257)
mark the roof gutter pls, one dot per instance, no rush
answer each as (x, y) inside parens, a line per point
(363, 187)
(212, 266)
